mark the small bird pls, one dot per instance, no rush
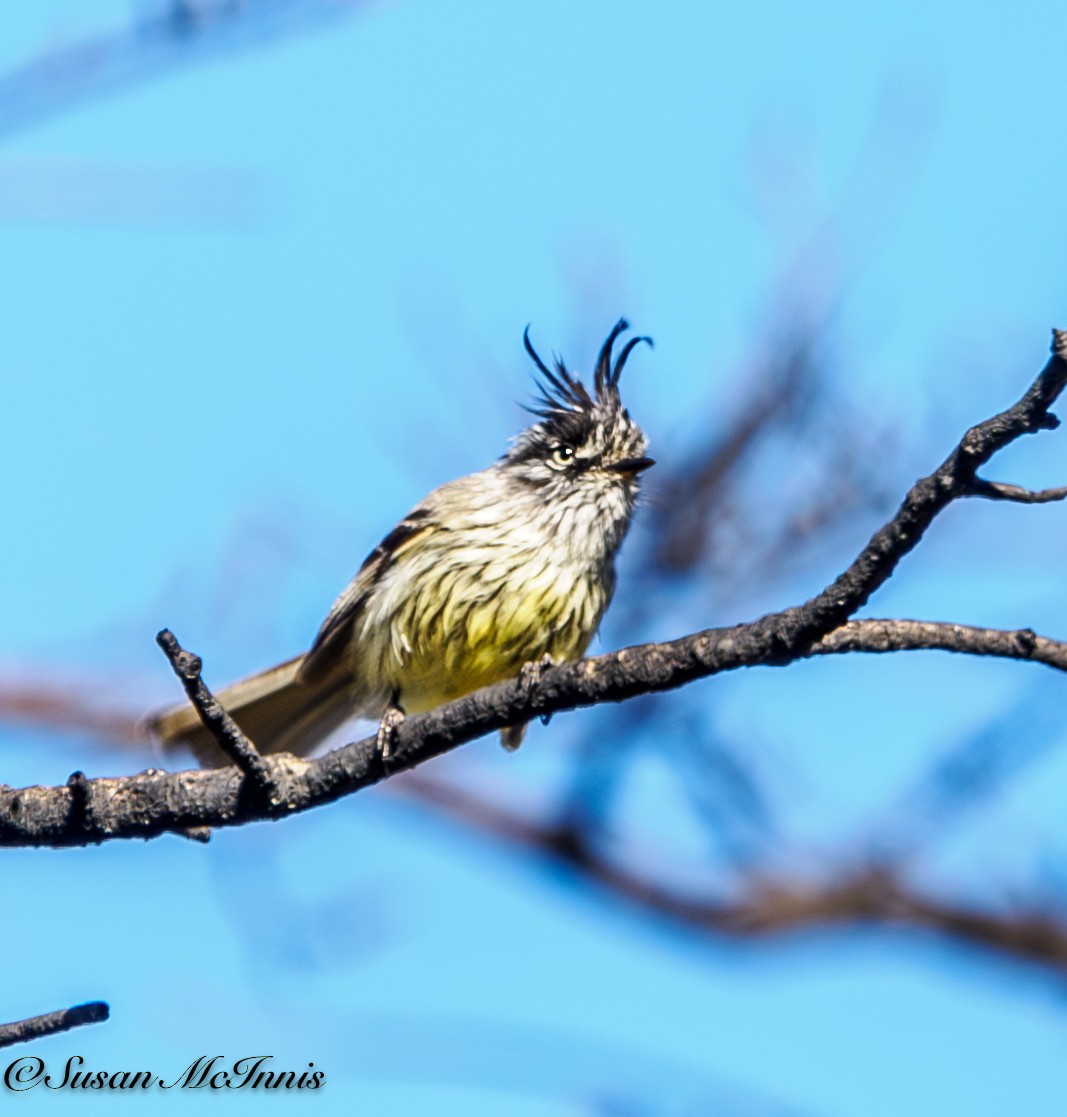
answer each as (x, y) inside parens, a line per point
(497, 573)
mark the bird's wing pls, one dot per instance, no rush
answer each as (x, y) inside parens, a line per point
(331, 644)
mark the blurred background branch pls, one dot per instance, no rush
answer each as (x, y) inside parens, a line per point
(446, 176)
(163, 35)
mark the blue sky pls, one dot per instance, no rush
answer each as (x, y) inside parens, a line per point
(253, 308)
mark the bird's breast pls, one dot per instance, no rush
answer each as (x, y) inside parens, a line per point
(463, 614)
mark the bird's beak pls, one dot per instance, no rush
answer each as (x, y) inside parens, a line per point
(632, 466)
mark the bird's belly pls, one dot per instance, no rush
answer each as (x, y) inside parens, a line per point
(464, 636)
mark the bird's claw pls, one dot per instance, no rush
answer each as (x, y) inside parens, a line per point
(530, 675)
(391, 721)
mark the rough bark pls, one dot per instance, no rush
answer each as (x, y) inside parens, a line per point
(151, 803)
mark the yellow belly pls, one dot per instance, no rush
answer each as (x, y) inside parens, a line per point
(434, 653)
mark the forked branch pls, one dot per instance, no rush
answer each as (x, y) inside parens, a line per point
(142, 806)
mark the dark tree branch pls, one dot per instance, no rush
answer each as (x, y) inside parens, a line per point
(53, 1022)
(226, 732)
(154, 803)
(930, 496)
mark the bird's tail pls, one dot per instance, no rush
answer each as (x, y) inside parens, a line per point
(275, 709)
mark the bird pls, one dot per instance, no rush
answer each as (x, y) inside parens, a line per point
(497, 573)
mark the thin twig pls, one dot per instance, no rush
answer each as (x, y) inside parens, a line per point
(882, 635)
(53, 1022)
(996, 490)
(226, 732)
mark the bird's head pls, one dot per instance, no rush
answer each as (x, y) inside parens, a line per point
(584, 443)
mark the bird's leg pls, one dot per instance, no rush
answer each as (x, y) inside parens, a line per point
(531, 672)
(391, 721)
(529, 680)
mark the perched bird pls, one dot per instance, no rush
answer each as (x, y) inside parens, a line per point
(511, 566)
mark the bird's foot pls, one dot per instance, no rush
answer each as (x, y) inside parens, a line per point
(531, 672)
(391, 721)
(529, 680)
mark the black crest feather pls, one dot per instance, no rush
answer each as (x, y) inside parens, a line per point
(603, 376)
(627, 349)
(561, 392)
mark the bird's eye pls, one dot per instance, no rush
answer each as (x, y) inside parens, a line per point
(562, 454)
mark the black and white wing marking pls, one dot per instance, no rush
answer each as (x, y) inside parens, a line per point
(330, 648)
